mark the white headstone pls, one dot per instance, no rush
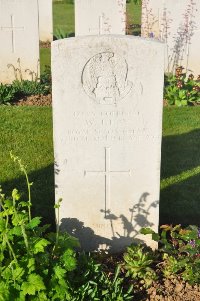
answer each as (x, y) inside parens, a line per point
(94, 17)
(19, 36)
(176, 23)
(107, 117)
(45, 20)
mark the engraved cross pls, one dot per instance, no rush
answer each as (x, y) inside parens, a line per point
(107, 172)
(12, 28)
(99, 28)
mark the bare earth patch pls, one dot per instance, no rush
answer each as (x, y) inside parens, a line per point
(173, 290)
(35, 100)
(45, 44)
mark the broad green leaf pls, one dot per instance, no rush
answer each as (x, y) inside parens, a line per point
(146, 231)
(4, 292)
(40, 245)
(16, 231)
(31, 265)
(34, 222)
(18, 219)
(8, 203)
(33, 285)
(184, 102)
(155, 236)
(69, 260)
(59, 272)
(18, 273)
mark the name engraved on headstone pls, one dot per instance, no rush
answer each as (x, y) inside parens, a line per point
(107, 126)
(104, 78)
(101, 226)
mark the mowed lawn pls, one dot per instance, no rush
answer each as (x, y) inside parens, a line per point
(27, 131)
(63, 22)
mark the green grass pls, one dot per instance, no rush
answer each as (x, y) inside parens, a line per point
(63, 17)
(133, 16)
(45, 58)
(134, 12)
(28, 132)
(180, 192)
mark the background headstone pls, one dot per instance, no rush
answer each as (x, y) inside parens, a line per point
(107, 117)
(19, 38)
(176, 23)
(94, 17)
(45, 20)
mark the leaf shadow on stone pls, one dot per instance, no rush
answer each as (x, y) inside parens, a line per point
(131, 225)
(56, 171)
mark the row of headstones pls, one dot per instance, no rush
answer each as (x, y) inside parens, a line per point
(175, 23)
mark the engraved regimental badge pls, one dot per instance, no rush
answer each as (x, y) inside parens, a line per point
(104, 78)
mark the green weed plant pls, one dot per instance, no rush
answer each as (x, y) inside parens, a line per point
(22, 88)
(138, 262)
(91, 282)
(34, 264)
(38, 265)
(179, 251)
(182, 90)
(7, 93)
(60, 34)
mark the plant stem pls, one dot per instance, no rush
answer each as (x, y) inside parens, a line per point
(29, 193)
(10, 247)
(57, 225)
(25, 238)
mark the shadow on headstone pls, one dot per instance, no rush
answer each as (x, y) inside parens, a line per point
(89, 241)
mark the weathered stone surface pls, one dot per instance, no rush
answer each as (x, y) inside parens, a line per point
(107, 117)
(19, 36)
(94, 17)
(176, 23)
(45, 20)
